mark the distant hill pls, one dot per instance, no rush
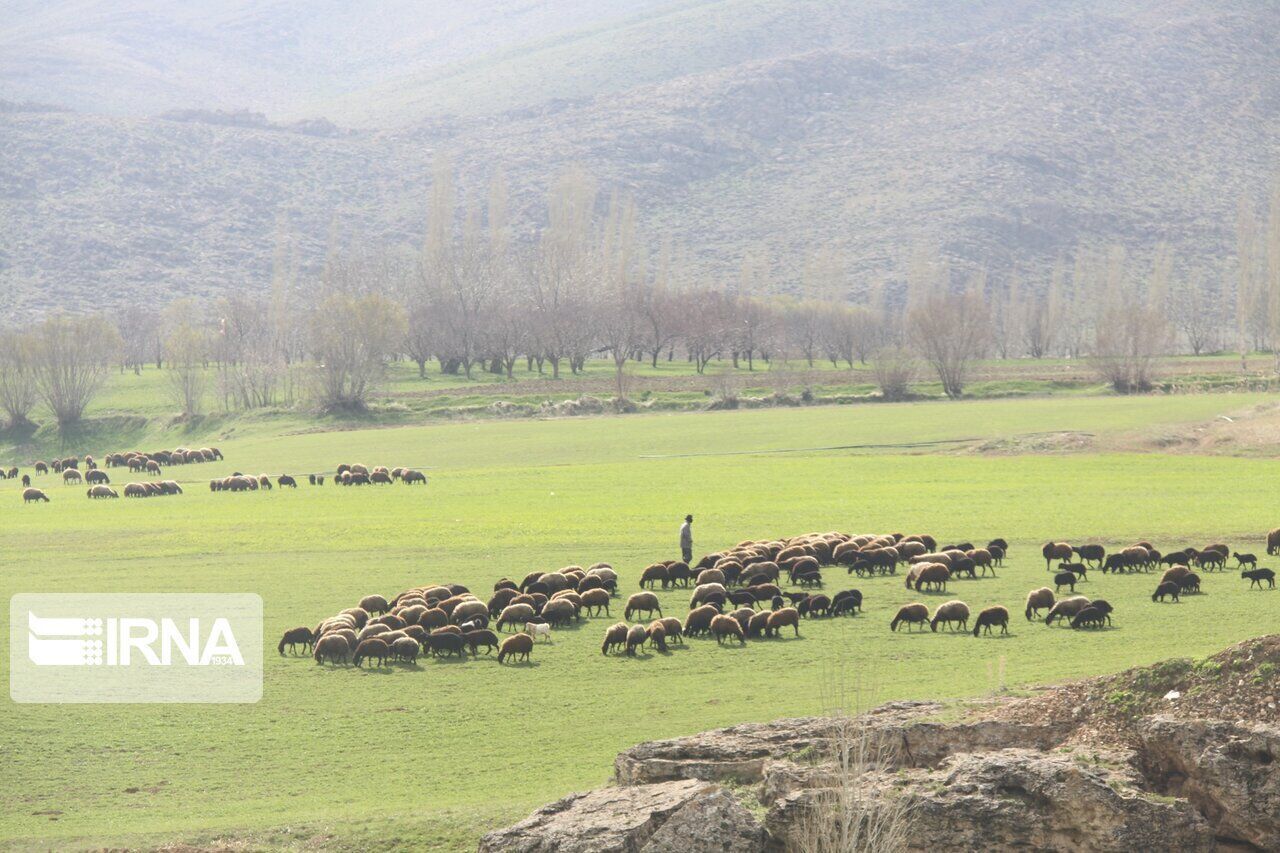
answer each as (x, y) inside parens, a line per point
(1000, 133)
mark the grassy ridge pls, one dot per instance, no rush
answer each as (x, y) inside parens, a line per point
(429, 758)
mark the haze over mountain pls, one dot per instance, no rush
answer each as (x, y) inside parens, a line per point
(998, 132)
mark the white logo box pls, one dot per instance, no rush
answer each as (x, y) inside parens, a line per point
(135, 647)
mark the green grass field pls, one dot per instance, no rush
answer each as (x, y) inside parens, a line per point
(433, 756)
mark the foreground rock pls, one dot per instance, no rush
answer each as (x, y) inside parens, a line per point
(1065, 770)
(668, 817)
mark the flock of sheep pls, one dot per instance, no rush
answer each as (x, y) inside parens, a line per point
(99, 481)
(737, 595)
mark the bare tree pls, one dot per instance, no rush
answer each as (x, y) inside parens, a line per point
(1196, 314)
(1131, 329)
(70, 359)
(17, 379)
(186, 348)
(617, 319)
(352, 339)
(895, 368)
(1039, 316)
(950, 330)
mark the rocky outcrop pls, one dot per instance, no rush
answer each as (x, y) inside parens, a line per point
(1227, 770)
(668, 817)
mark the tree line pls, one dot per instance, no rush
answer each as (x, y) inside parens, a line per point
(477, 296)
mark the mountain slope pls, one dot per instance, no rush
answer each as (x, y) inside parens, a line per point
(1001, 141)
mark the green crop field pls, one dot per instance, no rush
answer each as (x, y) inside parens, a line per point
(431, 756)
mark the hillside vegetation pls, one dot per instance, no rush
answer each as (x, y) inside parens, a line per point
(1002, 133)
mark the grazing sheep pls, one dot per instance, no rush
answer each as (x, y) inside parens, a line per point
(698, 620)
(615, 636)
(996, 615)
(1089, 617)
(33, 495)
(1243, 560)
(374, 604)
(102, 492)
(657, 573)
(910, 614)
(42, 468)
(297, 636)
(727, 627)
(595, 600)
(1170, 590)
(405, 649)
(935, 576)
(1062, 579)
(374, 647)
(671, 628)
(517, 646)
(1175, 574)
(1091, 553)
(707, 576)
(1189, 582)
(1066, 608)
(71, 477)
(1104, 607)
(1037, 600)
(476, 639)
(26, 480)
(1080, 570)
(447, 642)
(846, 601)
(1055, 551)
(636, 637)
(1259, 576)
(285, 480)
(743, 615)
(97, 476)
(657, 636)
(759, 624)
(1273, 537)
(950, 614)
(642, 602)
(333, 648)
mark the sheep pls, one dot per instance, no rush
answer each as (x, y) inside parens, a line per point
(1175, 574)
(1089, 617)
(846, 601)
(33, 495)
(405, 649)
(743, 615)
(996, 615)
(636, 637)
(655, 574)
(1259, 576)
(815, 605)
(1066, 608)
(983, 559)
(698, 620)
(615, 636)
(781, 618)
(1104, 607)
(102, 492)
(759, 623)
(1273, 537)
(1189, 582)
(950, 614)
(1037, 600)
(538, 629)
(1243, 560)
(1171, 590)
(1090, 553)
(727, 627)
(448, 642)
(1062, 579)
(373, 647)
(517, 646)
(297, 636)
(642, 602)
(26, 480)
(1080, 570)
(466, 610)
(1055, 551)
(333, 648)
(95, 477)
(935, 575)
(284, 480)
(71, 477)
(671, 628)
(475, 639)
(910, 614)
(657, 636)
(374, 604)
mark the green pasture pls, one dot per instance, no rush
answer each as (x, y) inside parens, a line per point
(429, 757)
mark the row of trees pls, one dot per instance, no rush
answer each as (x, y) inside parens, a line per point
(587, 285)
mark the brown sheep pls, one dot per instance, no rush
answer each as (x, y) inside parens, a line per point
(405, 649)
(615, 636)
(655, 574)
(33, 495)
(709, 576)
(71, 477)
(657, 636)
(1273, 537)
(102, 492)
(1039, 599)
(780, 618)
(1066, 609)
(478, 638)
(698, 621)
(95, 477)
(950, 614)
(983, 559)
(1175, 574)
(358, 614)
(294, 637)
(515, 615)
(1059, 551)
(703, 593)
(636, 637)
(910, 614)
(374, 604)
(935, 576)
(410, 477)
(642, 602)
(989, 616)
(1062, 579)
(374, 647)
(333, 648)
(595, 600)
(516, 646)
(672, 628)
(467, 610)
(559, 612)
(434, 617)
(1172, 590)
(727, 627)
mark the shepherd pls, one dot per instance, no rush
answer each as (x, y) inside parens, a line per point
(686, 540)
